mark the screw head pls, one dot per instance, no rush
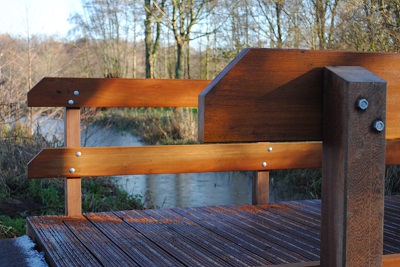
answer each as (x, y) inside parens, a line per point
(76, 93)
(264, 164)
(78, 154)
(269, 149)
(362, 103)
(71, 102)
(378, 125)
(72, 170)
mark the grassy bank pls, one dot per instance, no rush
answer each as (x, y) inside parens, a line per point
(20, 197)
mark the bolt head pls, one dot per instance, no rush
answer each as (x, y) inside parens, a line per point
(78, 154)
(264, 164)
(72, 170)
(76, 93)
(269, 149)
(379, 125)
(362, 103)
(71, 102)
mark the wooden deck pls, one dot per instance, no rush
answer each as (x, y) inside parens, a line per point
(243, 235)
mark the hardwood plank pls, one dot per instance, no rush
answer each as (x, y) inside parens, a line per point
(100, 161)
(103, 161)
(180, 247)
(276, 95)
(95, 92)
(260, 188)
(264, 247)
(136, 245)
(353, 169)
(73, 186)
(220, 247)
(97, 244)
(235, 235)
(60, 245)
(252, 222)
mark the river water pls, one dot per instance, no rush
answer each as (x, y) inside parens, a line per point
(169, 190)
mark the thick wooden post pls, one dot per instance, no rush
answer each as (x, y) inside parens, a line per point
(353, 167)
(73, 186)
(260, 190)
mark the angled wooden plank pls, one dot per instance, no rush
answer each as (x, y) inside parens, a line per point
(353, 168)
(96, 92)
(100, 161)
(276, 95)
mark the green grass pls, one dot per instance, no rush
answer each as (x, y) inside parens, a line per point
(11, 227)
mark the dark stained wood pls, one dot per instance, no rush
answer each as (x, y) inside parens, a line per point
(94, 92)
(100, 161)
(73, 186)
(276, 95)
(353, 169)
(236, 235)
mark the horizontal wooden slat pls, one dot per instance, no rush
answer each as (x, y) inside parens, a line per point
(104, 161)
(276, 95)
(96, 92)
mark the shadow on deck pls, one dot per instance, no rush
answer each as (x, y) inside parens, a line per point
(243, 235)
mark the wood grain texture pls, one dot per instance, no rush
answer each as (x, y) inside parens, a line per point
(260, 188)
(100, 161)
(96, 92)
(56, 162)
(276, 95)
(353, 169)
(73, 186)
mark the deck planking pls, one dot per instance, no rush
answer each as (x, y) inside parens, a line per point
(233, 235)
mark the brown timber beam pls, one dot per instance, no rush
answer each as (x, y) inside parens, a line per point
(353, 168)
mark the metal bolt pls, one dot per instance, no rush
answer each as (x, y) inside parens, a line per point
(264, 164)
(362, 103)
(269, 149)
(76, 93)
(71, 102)
(379, 125)
(72, 170)
(78, 154)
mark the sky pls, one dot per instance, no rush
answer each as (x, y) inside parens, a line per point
(49, 17)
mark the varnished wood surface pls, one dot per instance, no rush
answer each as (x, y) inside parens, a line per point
(237, 235)
(353, 169)
(96, 92)
(100, 161)
(276, 95)
(73, 186)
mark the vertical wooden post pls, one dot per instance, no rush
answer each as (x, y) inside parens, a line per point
(73, 186)
(260, 194)
(353, 167)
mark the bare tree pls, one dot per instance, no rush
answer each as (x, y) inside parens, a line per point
(152, 32)
(182, 17)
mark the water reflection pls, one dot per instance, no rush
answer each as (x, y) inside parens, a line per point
(190, 189)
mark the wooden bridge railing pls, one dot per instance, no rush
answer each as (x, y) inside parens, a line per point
(260, 104)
